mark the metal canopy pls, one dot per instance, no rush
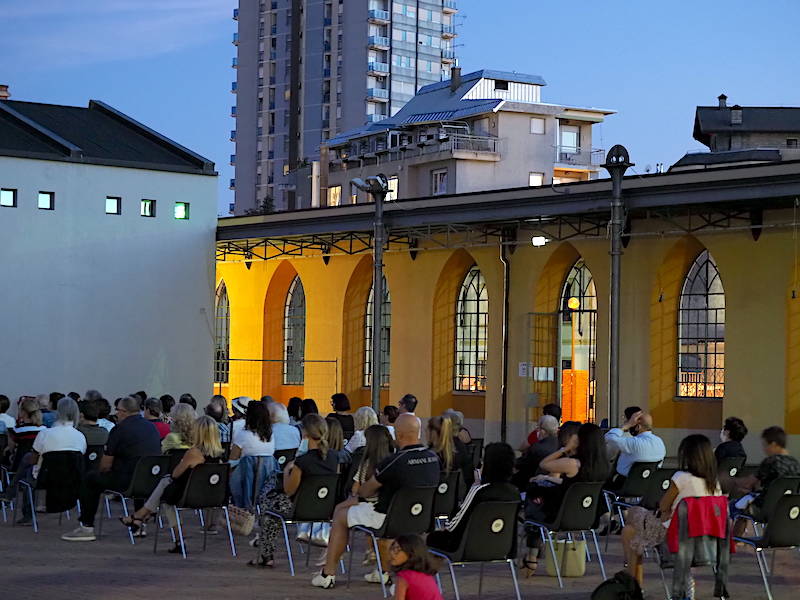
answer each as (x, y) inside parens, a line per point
(685, 201)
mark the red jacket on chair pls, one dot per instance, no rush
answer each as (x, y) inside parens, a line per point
(708, 515)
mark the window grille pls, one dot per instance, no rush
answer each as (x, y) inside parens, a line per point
(386, 330)
(222, 335)
(294, 334)
(472, 316)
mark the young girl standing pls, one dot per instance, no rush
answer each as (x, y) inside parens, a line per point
(414, 569)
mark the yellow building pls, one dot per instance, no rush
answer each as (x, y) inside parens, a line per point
(710, 308)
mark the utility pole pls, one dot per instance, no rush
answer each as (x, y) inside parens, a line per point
(377, 187)
(617, 162)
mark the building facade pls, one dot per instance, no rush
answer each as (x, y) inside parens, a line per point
(485, 130)
(108, 230)
(309, 69)
(498, 302)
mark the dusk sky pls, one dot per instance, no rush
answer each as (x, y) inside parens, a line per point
(167, 62)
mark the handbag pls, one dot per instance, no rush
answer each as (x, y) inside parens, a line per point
(242, 520)
(571, 557)
(320, 533)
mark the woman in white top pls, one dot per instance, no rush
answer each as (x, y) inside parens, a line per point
(363, 418)
(63, 435)
(697, 477)
(255, 439)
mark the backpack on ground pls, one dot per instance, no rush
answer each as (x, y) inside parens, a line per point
(620, 587)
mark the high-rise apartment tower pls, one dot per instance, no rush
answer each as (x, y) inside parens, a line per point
(309, 69)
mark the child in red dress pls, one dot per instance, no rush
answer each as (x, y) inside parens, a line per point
(414, 569)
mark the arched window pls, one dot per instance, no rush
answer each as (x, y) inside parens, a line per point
(472, 316)
(701, 332)
(222, 335)
(386, 330)
(294, 334)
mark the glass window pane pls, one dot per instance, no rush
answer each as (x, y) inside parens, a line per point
(113, 205)
(469, 362)
(182, 210)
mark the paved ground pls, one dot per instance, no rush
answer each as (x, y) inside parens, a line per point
(42, 567)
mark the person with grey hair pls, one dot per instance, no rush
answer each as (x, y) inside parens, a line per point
(132, 438)
(285, 436)
(528, 464)
(457, 418)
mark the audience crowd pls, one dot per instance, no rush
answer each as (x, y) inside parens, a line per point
(274, 448)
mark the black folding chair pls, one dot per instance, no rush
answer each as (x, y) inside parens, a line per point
(488, 538)
(578, 514)
(207, 488)
(60, 469)
(91, 460)
(783, 486)
(476, 446)
(730, 467)
(285, 456)
(445, 501)
(410, 511)
(781, 532)
(314, 503)
(148, 472)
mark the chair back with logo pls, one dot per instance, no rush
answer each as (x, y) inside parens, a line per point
(91, 460)
(316, 498)
(659, 483)
(730, 466)
(207, 487)
(476, 446)
(284, 456)
(638, 480)
(579, 508)
(410, 511)
(148, 472)
(490, 533)
(61, 474)
(445, 502)
(783, 486)
(783, 529)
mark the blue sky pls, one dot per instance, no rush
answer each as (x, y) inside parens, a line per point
(167, 62)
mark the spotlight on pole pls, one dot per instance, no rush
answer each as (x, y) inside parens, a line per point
(538, 241)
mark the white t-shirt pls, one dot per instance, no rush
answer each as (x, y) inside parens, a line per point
(357, 441)
(60, 437)
(689, 486)
(8, 420)
(251, 444)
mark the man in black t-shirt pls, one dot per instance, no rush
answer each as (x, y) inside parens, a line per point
(413, 465)
(132, 438)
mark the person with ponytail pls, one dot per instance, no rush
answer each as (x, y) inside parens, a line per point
(452, 454)
(319, 460)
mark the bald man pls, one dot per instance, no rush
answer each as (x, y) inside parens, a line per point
(413, 465)
(646, 446)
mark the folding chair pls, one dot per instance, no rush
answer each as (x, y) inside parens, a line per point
(285, 456)
(730, 467)
(91, 460)
(578, 514)
(207, 488)
(781, 532)
(476, 445)
(445, 501)
(488, 538)
(148, 472)
(783, 486)
(314, 503)
(633, 490)
(410, 511)
(59, 470)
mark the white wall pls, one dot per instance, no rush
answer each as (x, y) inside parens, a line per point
(116, 303)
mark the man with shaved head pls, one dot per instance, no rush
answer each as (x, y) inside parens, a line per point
(413, 465)
(645, 446)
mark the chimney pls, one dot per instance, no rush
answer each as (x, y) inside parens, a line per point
(722, 100)
(455, 78)
(4, 93)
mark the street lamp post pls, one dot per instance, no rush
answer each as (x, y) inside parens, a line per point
(617, 162)
(377, 187)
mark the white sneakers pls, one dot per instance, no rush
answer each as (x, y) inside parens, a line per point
(80, 534)
(375, 577)
(324, 581)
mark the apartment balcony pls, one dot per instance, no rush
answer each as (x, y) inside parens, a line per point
(378, 42)
(273, 55)
(233, 111)
(326, 46)
(377, 95)
(326, 123)
(379, 17)
(233, 135)
(235, 63)
(272, 80)
(233, 160)
(234, 87)
(457, 143)
(232, 185)
(274, 5)
(327, 21)
(270, 154)
(448, 31)
(235, 40)
(378, 68)
(448, 56)
(326, 73)
(449, 6)
(573, 156)
(235, 14)
(375, 118)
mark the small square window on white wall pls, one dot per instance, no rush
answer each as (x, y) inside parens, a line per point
(535, 179)
(46, 201)
(8, 198)
(394, 183)
(537, 125)
(438, 182)
(147, 208)
(182, 211)
(113, 205)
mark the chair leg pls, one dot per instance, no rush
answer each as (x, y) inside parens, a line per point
(555, 556)
(230, 531)
(180, 531)
(480, 582)
(159, 525)
(310, 537)
(108, 506)
(205, 531)
(453, 579)
(350, 563)
(286, 541)
(125, 512)
(380, 566)
(761, 559)
(599, 555)
(586, 545)
(32, 501)
(514, 579)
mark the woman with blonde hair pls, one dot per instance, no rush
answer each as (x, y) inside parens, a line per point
(205, 448)
(452, 455)
(364, 418)
(183, 425)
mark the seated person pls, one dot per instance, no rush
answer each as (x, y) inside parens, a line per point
(642, 446)
(495, 485)
(95, 434)
(554, 410)
(415, 568)
(731, 436)
(217, 409)
(452, 453)
(413, 465)
(21, 436)
(153, 412)
(182, 429)
(364, 417)
(388, 417)
(341, 412)
(318, 460)
(286, 436)
(6, 420)
(457, 417)
(255, 439)
(527, 465)
(205, 448)
(132, 438)
(336, 442)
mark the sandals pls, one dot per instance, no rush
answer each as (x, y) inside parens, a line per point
(529, 565)
(132, 523)
(261, 563)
